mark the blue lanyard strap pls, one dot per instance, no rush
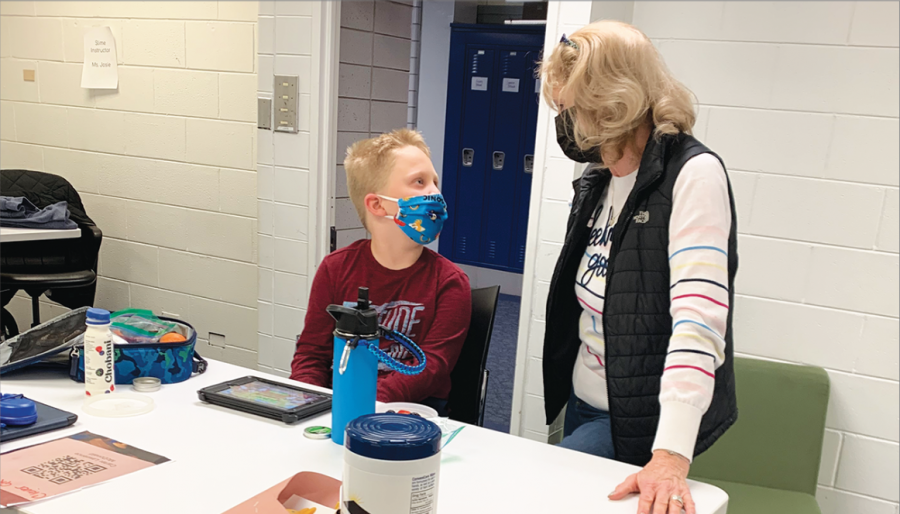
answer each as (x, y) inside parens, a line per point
(390, 361)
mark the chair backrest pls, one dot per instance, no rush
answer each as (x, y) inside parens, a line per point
(50, 256)
(777, 439)
(44, 189)
(467, 376)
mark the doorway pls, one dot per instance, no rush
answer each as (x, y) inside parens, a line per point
(377, 53)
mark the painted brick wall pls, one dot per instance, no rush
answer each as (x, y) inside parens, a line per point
(289, 44)
(801, 101)
(166, 165)
(373, 88)
(415, 49)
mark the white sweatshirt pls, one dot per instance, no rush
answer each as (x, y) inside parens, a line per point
(699, 227)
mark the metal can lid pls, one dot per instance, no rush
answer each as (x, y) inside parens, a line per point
(317, 432)
(146, 384)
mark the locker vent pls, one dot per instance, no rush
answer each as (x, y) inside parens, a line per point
(492, 249)
(461, 245)
(522, 254)
(474, 64)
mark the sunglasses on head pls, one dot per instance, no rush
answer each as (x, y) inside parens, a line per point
(566, 41)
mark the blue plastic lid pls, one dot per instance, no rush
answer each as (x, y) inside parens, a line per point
(17, 411)
(97, 317)
(392, 437)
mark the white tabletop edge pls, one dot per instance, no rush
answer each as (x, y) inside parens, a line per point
(482, 469)
(15, 234)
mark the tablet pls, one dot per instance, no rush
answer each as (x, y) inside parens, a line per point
(48, 418)
(284, 402)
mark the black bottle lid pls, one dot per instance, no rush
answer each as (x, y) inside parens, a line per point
(361, 320)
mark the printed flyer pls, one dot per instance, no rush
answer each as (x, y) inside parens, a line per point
(68, 464)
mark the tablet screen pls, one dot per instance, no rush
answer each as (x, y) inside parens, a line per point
(271, 395)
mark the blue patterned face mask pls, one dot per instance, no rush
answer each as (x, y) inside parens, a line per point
(420, 217)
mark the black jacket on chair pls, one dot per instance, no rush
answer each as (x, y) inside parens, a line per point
(44, 189)
(52, 256)
(636, 320)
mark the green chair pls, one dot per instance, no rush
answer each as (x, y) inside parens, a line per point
(768, 462)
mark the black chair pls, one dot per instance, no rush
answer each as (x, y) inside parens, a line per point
(64, 269)
(469, 377)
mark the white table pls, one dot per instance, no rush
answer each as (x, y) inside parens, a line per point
(222, 457)
(15, 235)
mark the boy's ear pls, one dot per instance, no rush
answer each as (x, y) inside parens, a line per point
(374, 205)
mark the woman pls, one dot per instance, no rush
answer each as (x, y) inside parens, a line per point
(638, 335)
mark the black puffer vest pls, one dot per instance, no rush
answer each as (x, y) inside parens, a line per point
(636, 320)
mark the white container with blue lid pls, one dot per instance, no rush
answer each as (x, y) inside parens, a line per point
(99, 355)
(391, 465)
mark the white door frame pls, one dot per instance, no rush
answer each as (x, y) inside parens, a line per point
(528, 308)
(323, 143)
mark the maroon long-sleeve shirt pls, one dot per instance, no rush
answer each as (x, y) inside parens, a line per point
(430, 302)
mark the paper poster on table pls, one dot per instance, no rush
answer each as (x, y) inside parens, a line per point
(304, 493)
(68, 464)
(99, 71)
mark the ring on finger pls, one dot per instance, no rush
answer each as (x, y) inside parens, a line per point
(677, 498)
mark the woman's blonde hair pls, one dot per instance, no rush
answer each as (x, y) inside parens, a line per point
(617, 80)
(369, 163)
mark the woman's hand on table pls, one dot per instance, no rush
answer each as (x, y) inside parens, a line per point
(662, 478)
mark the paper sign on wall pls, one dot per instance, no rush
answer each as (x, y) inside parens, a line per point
(479, 83)
(510, 85)
(99, 71)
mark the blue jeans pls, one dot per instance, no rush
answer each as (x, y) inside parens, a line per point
(437, 404)
(587, 429)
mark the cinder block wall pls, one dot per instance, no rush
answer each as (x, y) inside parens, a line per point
(166, 165)
(288, 45)
(373, 88)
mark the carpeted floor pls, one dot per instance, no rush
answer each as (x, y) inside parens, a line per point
(501, 362)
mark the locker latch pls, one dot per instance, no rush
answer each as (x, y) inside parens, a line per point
(468, 157)
(529, 163)
(498, 160)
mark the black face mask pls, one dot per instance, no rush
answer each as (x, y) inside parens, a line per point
(565, 136)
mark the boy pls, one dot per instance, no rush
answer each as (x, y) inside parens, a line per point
(417, 292)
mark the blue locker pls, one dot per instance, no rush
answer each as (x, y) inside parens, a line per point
(473, 149)
(504, 168)
(531, 86)
(492, 104)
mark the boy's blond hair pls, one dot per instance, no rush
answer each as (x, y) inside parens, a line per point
(369, 163)
(618, 81)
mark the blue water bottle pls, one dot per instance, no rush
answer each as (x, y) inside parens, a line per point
(355, 374)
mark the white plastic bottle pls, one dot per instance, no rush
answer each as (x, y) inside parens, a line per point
(99, 373)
